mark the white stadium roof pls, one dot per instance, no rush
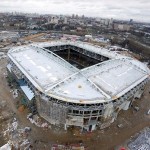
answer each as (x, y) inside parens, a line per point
(99, 83)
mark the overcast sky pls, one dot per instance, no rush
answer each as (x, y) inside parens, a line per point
(121, 9)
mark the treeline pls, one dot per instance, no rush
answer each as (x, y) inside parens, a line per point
(139, 48)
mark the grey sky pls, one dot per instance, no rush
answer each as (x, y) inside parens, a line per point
(135, 9)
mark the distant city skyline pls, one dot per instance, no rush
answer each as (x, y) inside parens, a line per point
(130, 9)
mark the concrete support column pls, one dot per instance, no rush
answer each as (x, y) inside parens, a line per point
(68, 54)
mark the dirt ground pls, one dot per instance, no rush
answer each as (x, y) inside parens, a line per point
(42, 139)
(30, 37)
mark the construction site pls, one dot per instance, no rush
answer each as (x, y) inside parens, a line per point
(23, 109)
(69, 81)
(73, 84)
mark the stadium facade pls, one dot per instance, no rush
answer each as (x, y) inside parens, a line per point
(77, 84)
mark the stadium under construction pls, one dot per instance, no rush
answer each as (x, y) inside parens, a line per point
(77, 84)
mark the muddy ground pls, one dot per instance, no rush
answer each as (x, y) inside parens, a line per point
(106, 139)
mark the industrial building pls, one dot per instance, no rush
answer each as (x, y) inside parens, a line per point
(77, 84)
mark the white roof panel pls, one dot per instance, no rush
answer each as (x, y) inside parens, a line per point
(98, 83)
(117, 78)
(42, 69)
(78, 87)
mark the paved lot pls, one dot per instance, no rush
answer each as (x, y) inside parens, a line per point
(141, 142)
